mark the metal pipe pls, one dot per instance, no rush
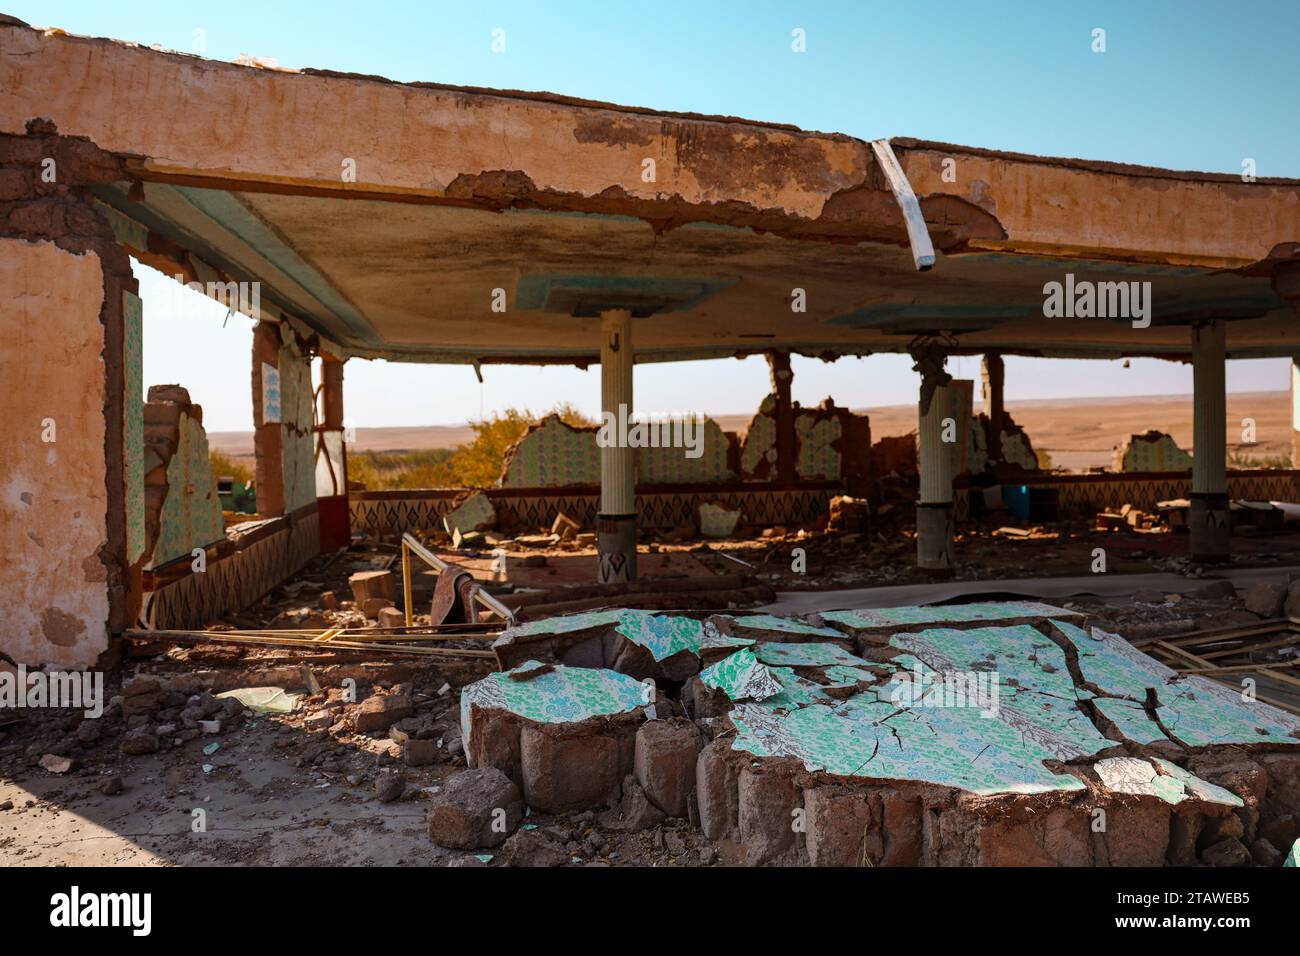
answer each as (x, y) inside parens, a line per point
(428, 557)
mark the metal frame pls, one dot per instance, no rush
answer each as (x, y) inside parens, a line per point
(410, 545)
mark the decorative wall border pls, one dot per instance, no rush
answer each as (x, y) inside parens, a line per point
(243, 568)
(660, 507)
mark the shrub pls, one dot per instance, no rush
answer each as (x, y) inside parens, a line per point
(476, 464)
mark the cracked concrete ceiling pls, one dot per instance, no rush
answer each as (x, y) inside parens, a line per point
(420, 282)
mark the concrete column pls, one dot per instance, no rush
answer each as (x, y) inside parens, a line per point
(992, 379)
(1295, 411)
(1209, 520)
(934, 513)
(616, 523)
(778, 364)
(331, 393)
(268, 438)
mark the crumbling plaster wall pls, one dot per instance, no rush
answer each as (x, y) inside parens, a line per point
(284, 416)
(298, 411)
(183, 510)
(554, 454)
(65, 574)
(1017, 449)
(831, 443)
(53, 503)
(1151, 451)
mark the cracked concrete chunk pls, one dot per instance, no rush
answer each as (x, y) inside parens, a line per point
(742, 677)
(664, 635)
(1196, 711)
(560, 695)
(665, 756)
(805, 655)
(962, 703)
(566, 735)
(1138, 776)
(475, 513)
(988, 611)
(767, 626)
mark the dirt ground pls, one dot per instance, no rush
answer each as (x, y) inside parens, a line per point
(272, 792)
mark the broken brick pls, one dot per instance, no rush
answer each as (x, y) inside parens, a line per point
(475, 808)
(665, 756)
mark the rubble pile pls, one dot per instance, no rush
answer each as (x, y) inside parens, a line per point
(629, 737)
(842, 724)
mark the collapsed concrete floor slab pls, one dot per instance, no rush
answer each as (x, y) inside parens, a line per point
(997, 733)
(688, 739)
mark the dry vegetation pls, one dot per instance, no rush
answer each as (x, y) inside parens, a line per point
(223, 466)
(476, 464)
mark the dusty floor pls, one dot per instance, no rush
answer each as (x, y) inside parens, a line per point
(799, 559)
(273, 792)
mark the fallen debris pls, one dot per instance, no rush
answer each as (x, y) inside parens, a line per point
(716, 520)
(475, 808)
(564, 527)
(849, 514)
(1042, 703)
(473, 513)
(371, 586)
(263, 700)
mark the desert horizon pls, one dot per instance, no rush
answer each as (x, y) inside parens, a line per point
(1079, 433)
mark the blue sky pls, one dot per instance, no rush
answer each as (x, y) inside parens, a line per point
(1184, 85)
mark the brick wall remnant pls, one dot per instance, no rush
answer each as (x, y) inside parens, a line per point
(182, 510)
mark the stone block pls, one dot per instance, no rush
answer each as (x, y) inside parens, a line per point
(716, 788)
(380, 711)
(494, 742)
(564, 770)
(1137, 834)
(475, 808)
(371, 584)
(901, 823)
(420, 753)
(664, 761)
(766, 818)
(839, 826)
(1265, 599)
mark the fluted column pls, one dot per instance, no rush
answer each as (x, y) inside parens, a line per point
(616, 523)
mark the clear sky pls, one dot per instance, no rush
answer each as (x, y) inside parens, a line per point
(1188, 85)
